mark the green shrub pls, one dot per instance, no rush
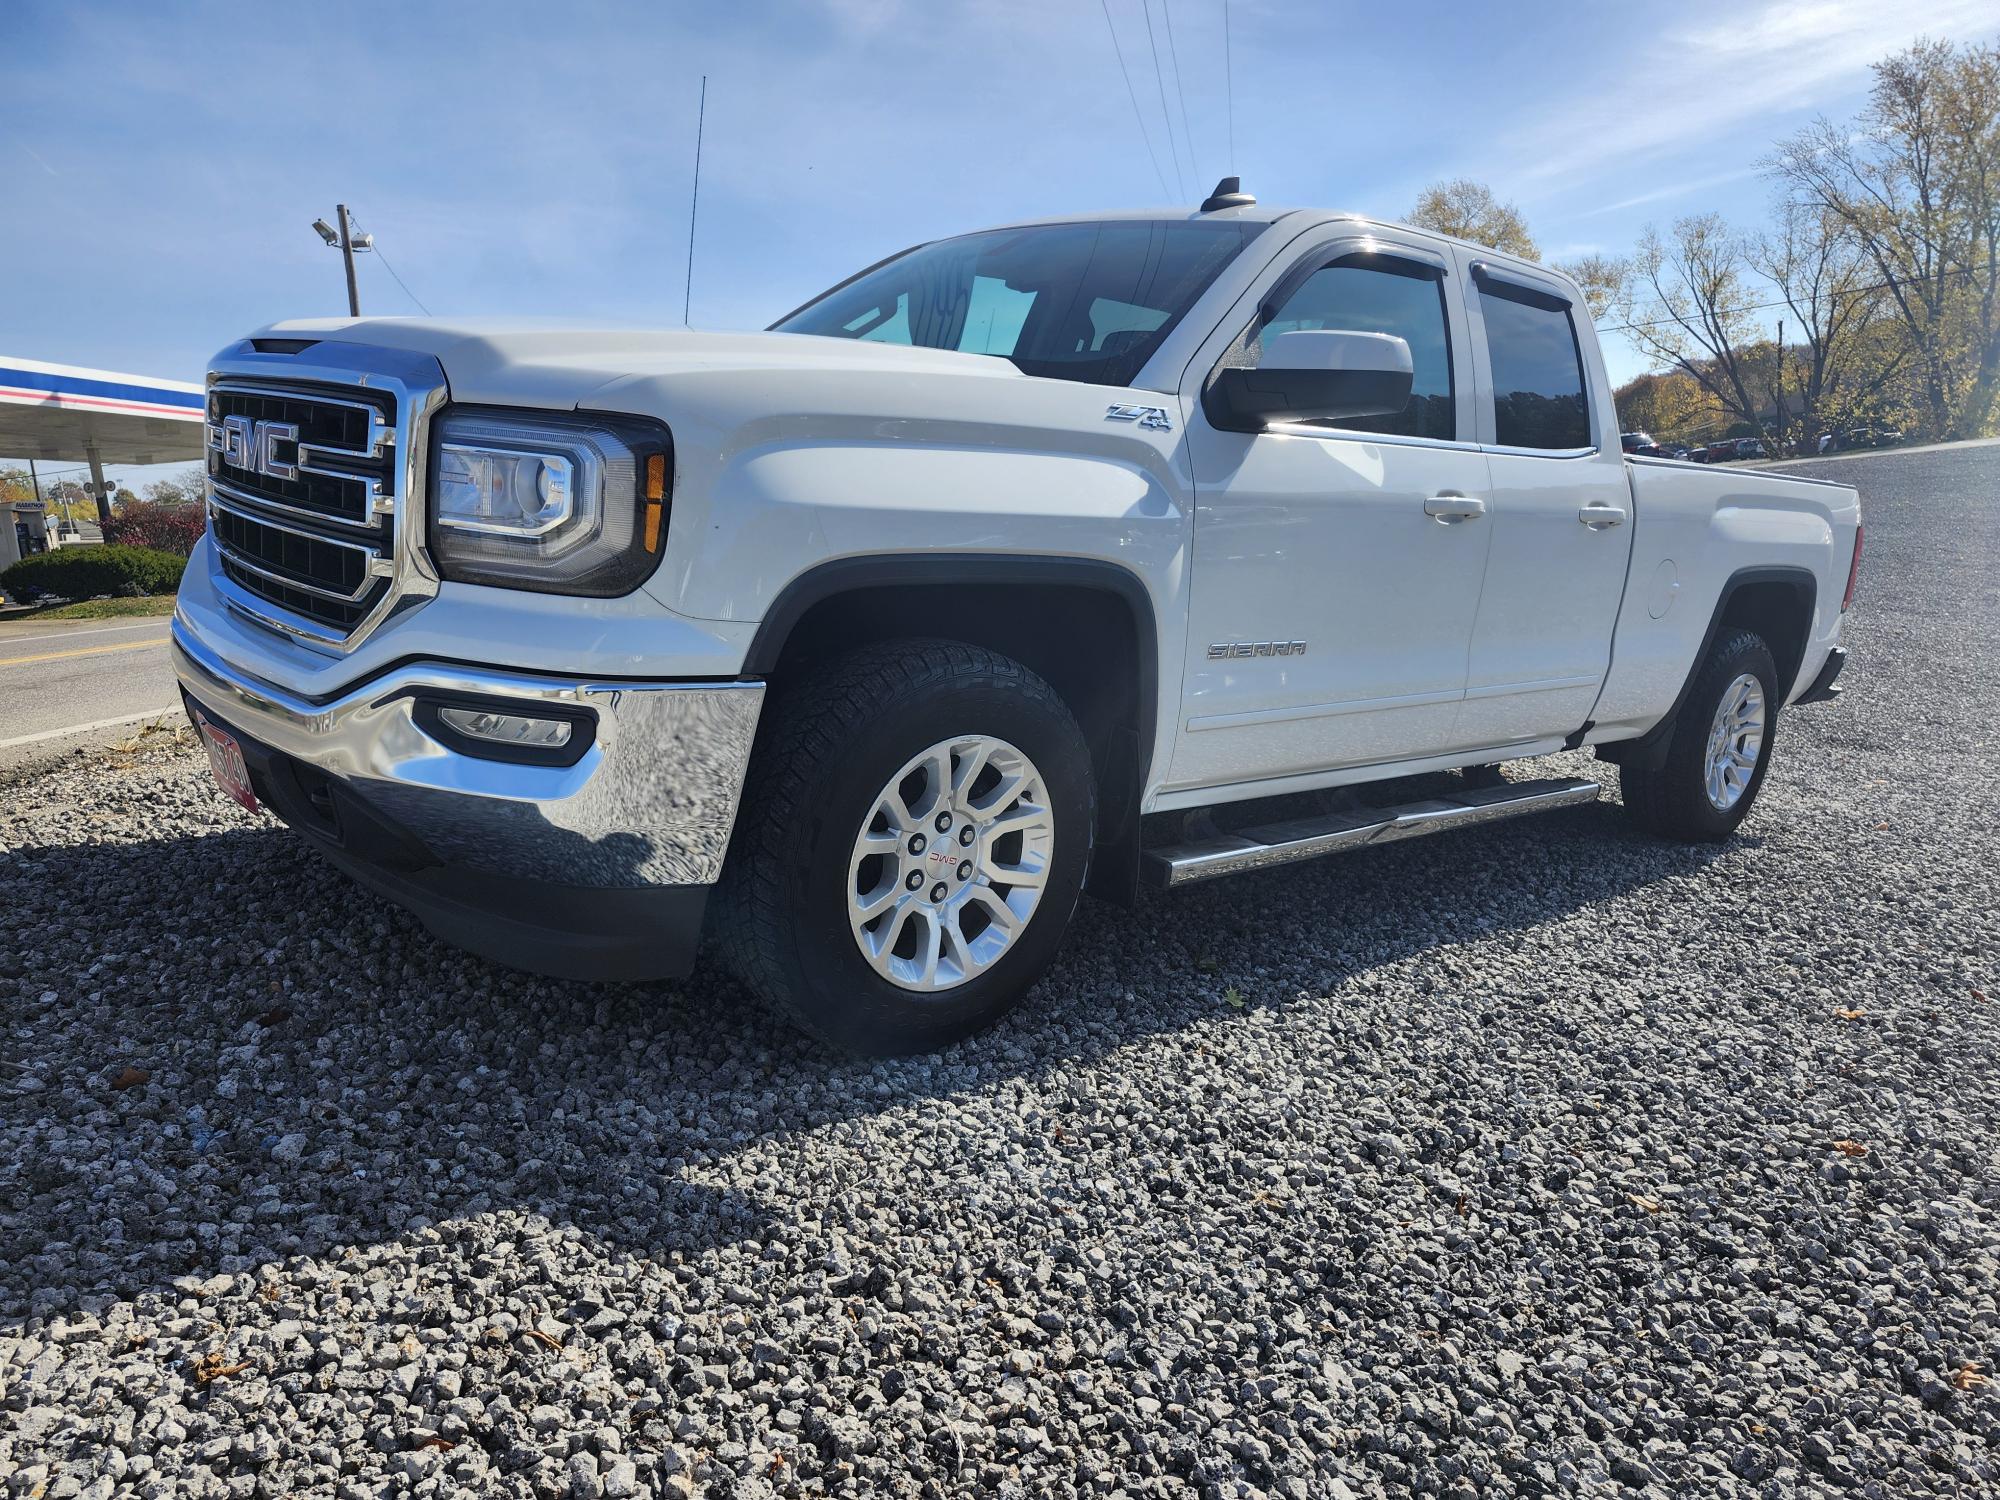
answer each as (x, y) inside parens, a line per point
(93, 572)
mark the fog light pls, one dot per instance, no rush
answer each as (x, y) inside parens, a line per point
(508, 729)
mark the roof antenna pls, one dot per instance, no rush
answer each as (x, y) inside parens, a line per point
(1228, 194)
(694, 201)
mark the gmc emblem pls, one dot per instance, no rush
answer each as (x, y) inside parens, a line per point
(253, 446)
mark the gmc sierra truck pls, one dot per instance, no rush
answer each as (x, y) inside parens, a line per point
(1082, 554)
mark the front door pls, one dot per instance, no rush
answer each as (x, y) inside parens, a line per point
(1336, 567)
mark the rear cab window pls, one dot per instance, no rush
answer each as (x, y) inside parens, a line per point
(1539, 396)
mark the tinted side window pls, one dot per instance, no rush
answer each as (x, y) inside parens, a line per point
(1381, 294)
(1538, 399)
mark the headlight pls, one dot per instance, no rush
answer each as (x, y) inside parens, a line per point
(548, 501)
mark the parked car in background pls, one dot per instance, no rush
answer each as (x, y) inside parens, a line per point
(1751, 448)
(1637, 442)
(1869, 437)
(1675, 450)
(877, 627)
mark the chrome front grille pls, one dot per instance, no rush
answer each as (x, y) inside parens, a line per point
(315, 485)
(333, 582)
(320, 455)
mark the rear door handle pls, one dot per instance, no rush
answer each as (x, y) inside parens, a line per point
(1597, 515)
(1452, 508)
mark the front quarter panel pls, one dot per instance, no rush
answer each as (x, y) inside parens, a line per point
(780, 472)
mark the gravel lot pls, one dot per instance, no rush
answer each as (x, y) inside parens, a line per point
(1507, 1163)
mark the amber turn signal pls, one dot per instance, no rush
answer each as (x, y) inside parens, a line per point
(656, 494)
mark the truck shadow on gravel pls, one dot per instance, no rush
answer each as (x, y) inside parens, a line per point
(224, 1053)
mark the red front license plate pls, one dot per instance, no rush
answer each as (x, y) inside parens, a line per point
(225, 759)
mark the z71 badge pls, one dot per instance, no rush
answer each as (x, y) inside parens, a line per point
(1228, 650)
(1154, 417)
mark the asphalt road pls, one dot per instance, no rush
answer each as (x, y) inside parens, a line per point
(64, 682)
(1543, 1159)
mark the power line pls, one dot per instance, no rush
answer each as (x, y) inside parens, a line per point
(400, 282)
(1133, 94)
(1146, 8)
(1853, 291)
(1229, 86)
(1180, 91)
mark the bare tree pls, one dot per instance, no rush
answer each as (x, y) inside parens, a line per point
(1684, 302)
(1918, 186)
(1824, 276)
(1602, 278)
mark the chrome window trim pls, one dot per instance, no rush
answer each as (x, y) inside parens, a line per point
(1353, 435)
(1591, 452)
(417, 384)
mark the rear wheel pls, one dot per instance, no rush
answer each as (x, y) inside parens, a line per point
(1719, 750)
(913, 838)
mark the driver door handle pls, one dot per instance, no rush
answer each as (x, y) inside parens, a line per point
(1449, 509)
(1597, 515)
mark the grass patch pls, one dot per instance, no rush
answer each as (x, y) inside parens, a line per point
(97, 609)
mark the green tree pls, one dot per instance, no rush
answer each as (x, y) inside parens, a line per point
(1467, 210)
(184, 488)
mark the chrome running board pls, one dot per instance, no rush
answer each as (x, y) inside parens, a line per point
(1307, 838)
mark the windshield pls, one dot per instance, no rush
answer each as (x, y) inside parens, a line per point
(1088, 302)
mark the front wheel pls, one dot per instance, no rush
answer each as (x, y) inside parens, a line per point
(913, 839)
(1719, 751)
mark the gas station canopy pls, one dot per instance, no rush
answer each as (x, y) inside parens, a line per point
(61, 411)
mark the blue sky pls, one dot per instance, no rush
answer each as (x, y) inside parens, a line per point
(160, 164)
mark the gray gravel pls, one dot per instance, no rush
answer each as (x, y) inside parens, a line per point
(1496, 1164)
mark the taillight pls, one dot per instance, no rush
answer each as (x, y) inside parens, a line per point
(1853, 570)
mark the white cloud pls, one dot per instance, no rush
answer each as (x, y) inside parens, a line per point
(1705, 82)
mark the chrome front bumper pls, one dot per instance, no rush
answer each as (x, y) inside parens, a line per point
(650, 803)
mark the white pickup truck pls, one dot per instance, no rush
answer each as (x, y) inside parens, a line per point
(1078, 554)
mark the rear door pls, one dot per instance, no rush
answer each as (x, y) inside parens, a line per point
(1560, 512)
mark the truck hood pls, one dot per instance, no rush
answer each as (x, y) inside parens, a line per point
(542, 364)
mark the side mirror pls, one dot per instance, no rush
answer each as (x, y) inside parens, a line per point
(1308, 375)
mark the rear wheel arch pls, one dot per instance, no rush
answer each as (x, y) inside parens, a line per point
(1084, 625)
(1778, 603)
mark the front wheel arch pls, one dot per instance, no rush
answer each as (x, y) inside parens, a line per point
(1086, 626)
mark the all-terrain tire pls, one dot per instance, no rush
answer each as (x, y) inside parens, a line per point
(826, 752)
(1671, 798)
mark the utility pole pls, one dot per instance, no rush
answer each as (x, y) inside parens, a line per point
(347, 254)
(1783, 425)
